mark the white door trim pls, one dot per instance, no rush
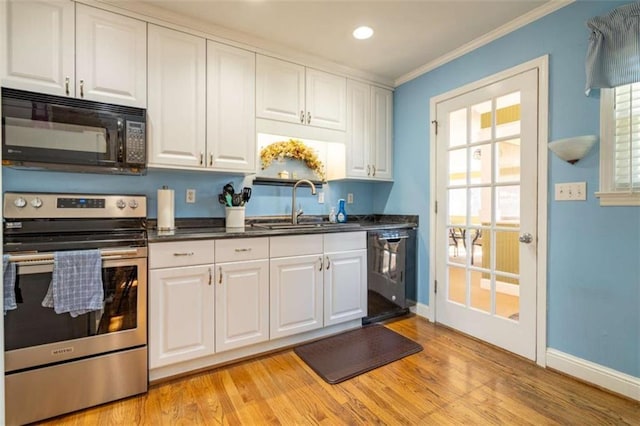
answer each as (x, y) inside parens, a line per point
(542, 64)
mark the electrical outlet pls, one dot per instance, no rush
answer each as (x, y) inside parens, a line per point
(349, 198)
(191, 196)
(571, 191)
(320, 197)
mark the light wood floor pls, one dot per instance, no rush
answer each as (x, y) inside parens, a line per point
(455, 380)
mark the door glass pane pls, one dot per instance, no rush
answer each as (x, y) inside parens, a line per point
(458, 167)
(481, 164)
(508, 204)
(457, 206)
(458, 127)
(507, 252)
(481, 122)
(508, 161)
(480, 206)
(508, 115)
(480, 292)
(457, 253)
(457, 285)
(507, 297)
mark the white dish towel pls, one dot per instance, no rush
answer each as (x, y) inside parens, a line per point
(9, 283)
(76, 284)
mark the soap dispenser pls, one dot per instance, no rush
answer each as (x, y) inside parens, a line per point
(342, 214)
(332, 215)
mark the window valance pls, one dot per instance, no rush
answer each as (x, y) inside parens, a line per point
(613, 55)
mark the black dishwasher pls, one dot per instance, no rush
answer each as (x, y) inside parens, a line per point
(391, 273)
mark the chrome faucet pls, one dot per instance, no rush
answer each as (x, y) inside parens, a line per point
(294, 212)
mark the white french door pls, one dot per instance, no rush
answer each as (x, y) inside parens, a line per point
(486, 229)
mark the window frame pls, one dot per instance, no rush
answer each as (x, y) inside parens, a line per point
(608, 195)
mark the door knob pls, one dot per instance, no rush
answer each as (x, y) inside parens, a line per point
(526, 238)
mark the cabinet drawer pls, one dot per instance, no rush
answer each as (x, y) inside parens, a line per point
(180, 253)
(344, 241)
(295, 245)
(237, 249)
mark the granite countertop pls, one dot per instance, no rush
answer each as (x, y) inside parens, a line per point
(264, 226)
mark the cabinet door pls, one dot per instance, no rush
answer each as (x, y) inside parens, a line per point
(111, 57)
(176, 114)
(345, 286)
(358, 129)
(326, 100)
(231, 136)
(382, 133)
(295, 295)
(242, 304)
(181, 314)
(37, 47)
(279, 90)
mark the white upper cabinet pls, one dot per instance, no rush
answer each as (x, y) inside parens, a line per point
(369, 147)
(111, 57)
(231, 135)
(176, 119)
(293, 93)
(101, 56)
(37, 47)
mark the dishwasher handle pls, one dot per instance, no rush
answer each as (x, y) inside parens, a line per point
(392, 239)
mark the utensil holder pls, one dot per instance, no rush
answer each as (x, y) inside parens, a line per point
(234, 218)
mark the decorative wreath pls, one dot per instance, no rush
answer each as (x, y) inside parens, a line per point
(295, 149)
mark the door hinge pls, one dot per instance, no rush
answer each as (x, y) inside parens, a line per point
(435, 286)
(435, 122)
(436, 208)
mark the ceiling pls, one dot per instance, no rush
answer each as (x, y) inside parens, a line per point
(408, 34)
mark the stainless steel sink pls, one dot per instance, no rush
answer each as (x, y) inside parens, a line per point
(310, 225)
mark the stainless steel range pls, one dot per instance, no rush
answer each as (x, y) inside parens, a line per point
(54, 362)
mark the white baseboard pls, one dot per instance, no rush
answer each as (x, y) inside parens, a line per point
(422, 310)
(501, 287)
(599, 375)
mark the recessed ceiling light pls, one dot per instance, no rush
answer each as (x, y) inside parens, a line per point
(363, 33)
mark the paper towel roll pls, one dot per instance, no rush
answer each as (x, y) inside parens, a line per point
(166, 219)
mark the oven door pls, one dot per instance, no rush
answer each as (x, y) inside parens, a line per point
(36, 336)
(35, 131)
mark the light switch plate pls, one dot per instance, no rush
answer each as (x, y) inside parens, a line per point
(191, 196)
(321, 197)
(349, 198)
(571, 191)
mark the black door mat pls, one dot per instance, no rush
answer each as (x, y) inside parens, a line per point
(346, 355)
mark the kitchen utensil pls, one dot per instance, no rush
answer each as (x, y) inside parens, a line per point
(237, 199)
(228, 188)
(222, 199)
(229, 199)
(246, 194)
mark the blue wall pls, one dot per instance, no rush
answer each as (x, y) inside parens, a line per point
(265, 200)
(594, 252)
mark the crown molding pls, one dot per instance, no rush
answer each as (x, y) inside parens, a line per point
(156, 15)
(517, 23)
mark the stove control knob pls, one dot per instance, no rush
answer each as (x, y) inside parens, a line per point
(121, 204)
(20, 202)
(133, 204)
(36, 203)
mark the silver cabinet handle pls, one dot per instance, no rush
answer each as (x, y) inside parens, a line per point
(209, 276)
(82, 88)
(211, 159)
(308, 117)
(190, 253)
(374, 170)
(302, 117)
(220, 279)
(328, 262)
(201, 158)
(368, 170)
(526, 238)
(66, 85)
(320, 259)
(240, 250)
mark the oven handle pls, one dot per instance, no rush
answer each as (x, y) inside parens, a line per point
(47, 258)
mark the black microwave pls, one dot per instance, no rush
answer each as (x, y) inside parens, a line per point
(76, 135)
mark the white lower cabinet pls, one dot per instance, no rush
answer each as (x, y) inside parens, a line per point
(181, 302)
(242, 292)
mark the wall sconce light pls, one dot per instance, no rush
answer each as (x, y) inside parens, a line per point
(573, 149)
